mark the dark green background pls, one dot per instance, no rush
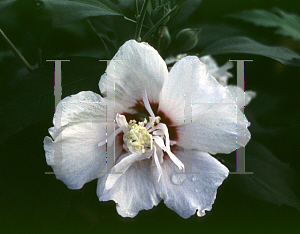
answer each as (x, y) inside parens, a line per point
(32, 202)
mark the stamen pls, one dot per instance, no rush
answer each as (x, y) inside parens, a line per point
(157, 132)
(160, 154)
(164, 129)
(160, 142)
(111, 138)
(136, 137)
(175, 160)
(141, 144)
(157, 163)
(122, 122)
(147, 105)
(149, 109)
(151, 143)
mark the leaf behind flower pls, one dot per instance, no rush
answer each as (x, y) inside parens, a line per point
(272, 180)
(246, 45)
(287, 24)
(59, 12)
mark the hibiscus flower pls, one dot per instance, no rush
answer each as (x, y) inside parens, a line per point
(166, 126)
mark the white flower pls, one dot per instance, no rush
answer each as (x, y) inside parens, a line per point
(159, 156)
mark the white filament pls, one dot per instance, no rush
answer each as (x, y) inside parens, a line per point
(147, 104)
(111, 138)
(157, 162)
(166, 147)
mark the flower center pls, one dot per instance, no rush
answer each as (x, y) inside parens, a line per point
(146, 139)
(137, 139)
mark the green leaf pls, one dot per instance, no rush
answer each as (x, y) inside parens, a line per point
(61, 12)
(272, 180)
(246, 45)
(34, 94)
(108, 42)
(111, 33)
(287, 24)
(212, 32)
(184, 13)
(68, 11)
(10, 13)
(75, 39)
(180, 16)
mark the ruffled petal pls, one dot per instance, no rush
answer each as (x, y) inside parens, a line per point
(73, 150)
(81, 107)
(220, 73)
(193, 190)
(216, 124)
(124, 162)
(238, 92)
(218, 130)
(133, 191)
(74, 154)
(134, 68)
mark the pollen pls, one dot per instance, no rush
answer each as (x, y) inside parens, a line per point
(137, 139)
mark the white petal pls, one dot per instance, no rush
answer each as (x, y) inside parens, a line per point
(220, 73)
(218, 130)
(83, 106)
(193, 190)
(74, 154)
(218, 126)
(189, 76)
(238, 92)
(133, 191)
(173, 59)
(124, 162)
(79, 126)
(135, 67)
(249, 95)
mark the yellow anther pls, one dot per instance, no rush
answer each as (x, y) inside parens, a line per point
(137, 138)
